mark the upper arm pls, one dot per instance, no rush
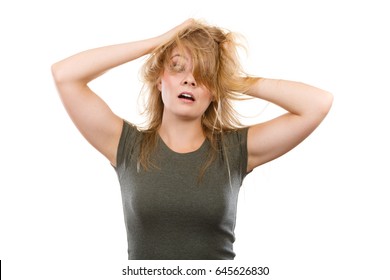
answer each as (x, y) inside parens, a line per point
(92, 116)
(271, 139)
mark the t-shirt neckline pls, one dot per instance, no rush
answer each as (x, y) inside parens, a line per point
(169, 150)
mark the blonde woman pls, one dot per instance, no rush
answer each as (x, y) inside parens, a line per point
(181, 174)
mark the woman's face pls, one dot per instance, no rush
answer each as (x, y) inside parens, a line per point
(182, 96)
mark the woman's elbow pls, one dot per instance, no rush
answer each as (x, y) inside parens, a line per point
(321, 107)
(61, 73)
(326, 102)
(56, 73)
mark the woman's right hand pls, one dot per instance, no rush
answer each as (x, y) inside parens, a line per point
(165, 37)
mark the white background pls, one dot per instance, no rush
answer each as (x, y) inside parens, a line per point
(319, 212)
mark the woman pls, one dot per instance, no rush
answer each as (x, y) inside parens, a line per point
(180, 176)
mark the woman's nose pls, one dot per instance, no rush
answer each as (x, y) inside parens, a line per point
(189, 80)
(191, 83)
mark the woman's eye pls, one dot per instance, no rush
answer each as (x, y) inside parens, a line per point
(179, 67)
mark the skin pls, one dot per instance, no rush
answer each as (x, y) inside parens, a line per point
(306, 105)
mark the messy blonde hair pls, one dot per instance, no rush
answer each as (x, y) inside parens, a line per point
(216, 66)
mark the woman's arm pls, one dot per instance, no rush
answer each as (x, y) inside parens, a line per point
(306, 107)
(92, 116)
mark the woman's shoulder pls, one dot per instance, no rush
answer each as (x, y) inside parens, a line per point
(236, 134)
(130, 133)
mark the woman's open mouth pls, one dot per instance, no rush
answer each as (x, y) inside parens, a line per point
(186, 96)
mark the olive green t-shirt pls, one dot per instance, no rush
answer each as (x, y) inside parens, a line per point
(169, 213)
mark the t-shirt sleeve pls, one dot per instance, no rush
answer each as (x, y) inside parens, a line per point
(243, 144)
(127, 143)
(238, 151)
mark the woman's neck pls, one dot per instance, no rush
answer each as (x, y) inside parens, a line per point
(182, 136)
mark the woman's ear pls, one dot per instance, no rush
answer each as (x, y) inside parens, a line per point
(159, 84)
